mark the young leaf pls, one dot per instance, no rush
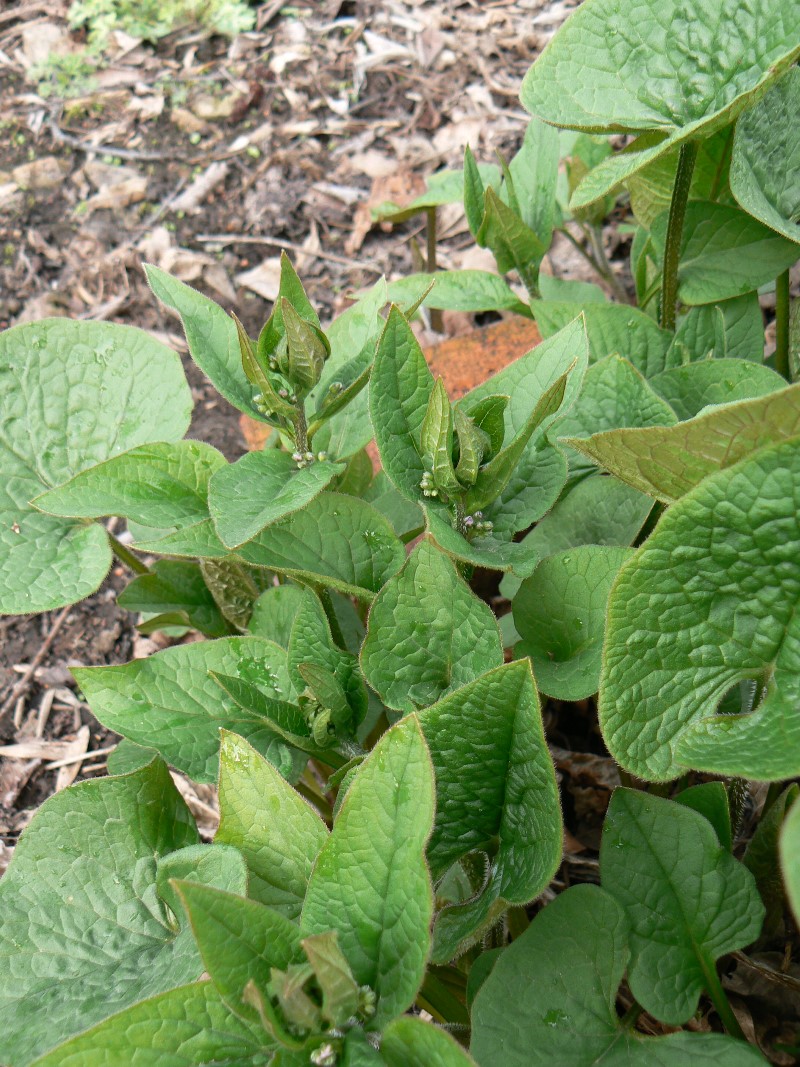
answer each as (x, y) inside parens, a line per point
(473, 445)
(612, 329)
(83, 875)
(682, 95)
(689, 389)
(730, 329)
(188, 1025)
(711, 800)
(436, 439)
(278, 833)
(699, 904)
(443, 187)
(492, 764)
(534, 170)
(473, 192)
(340, 993)
(271, 399)
(336, 541)
(482, 551)
(274, 613)
(724, 252)
(719, 574)
(73, 395)
(766, 158)
(427, 633)
(290, 289)
(261, 488)
(514, 245)
(161, 485)
(175, 588)
(404, 515)
(460, 290)
(239, 940)
(400, 389)
(307, 349)
(570, 962)
(596, 511)
(560, 612)
(488, 415)
(234, 586)
(410, 1042)
(171, 703)
(370, 882)
(790, 857)
(666, 462)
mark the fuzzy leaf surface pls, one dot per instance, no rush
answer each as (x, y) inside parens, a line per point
(427, 633)
(73, 395)
(171, 703)
(371, 882)
(410, 1042)
(459, 290)
(689, 389)
(710, 599)
(687, 899)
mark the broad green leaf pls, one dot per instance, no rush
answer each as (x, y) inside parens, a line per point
(484, 550)
(402, 513)
(731, 329)
(651, 188)
(400, 388)
(762, 860)
(443, 187)
(182, 1028)
(612, 329)
(532, 490)
(427, 633)
(359, 1052)
(158, 485)
(689, 389)
(370, 882)
(336, 541)
(790, 857)
(666, 462)
(708, 600)
(239, 940)
(177, 589)
(534, 171)
(680, 94)
(492, 764)
(212, 338)
(169, 701)
(699, 903)
(274, 613)
(569, 291)
(215, 865)
(306, 349)
(460, 290)
(724, 252)
(84, 932)
(559, 613)
(514, 245)
(261, 488)
(410, 1042)
(765, 166)
(291, 290)
(199, 540)
(711, 800)
(596, 511)
(567, 968)
(73, 395)
(128, 757)
(234, 586)
(278, 833)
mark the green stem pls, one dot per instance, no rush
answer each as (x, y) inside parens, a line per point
(440, 1000)
(720, 1001)
(628, 1020)
(672, 249)
(333, 621)
(782, 325)
(430, 234)
(596, 242)
(316, 799)
(127, 557)
(596, 265)
(301, 429)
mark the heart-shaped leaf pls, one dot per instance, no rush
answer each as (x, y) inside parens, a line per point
(699, 902)
(279, 850)
(84, 875)
(568, 966)
(765, 165)
(491, 762)
(73, 395)
(666, 462)
(724, 252)
(171, 703)
(427, 633)
(708, 600)
(370, 882)
(678, 94)
(261, 488)
(559, 613)
(336, 540)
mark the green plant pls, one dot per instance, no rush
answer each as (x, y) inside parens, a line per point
(389, 807)
(151, 19)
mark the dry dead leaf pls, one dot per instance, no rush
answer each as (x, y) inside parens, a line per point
(400, 187)
(67, 775)
(121, 194)
(191, 199)
(44, 173)
(265, 279)
(187, 121)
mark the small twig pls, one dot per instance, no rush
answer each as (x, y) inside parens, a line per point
(110, 149)
(68, 760)
(278, 242)
(22, 685)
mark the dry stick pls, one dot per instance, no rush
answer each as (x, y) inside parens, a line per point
(278, 242)
(25, 680)
(57, 764)
(110, 149)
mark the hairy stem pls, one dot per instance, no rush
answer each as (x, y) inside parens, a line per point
(430, 234)
(597, 265)
(127, 557)
(330, 611)
(782, 325)
(606, 271)
(301, 429)
(720, 1001)
(677, 216)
